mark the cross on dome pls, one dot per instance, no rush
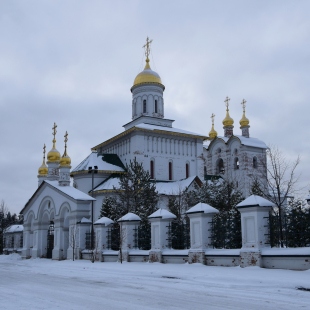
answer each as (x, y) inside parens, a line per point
(243, 103)
(147, 47)
(227, 102)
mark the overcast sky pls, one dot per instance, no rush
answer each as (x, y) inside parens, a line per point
(73, 63)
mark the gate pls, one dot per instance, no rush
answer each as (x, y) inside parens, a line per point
(50, 240)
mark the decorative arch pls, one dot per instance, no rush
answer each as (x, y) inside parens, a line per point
(47, 203)
(220, 168)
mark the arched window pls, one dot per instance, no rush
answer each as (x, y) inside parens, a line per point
(220, 166)
(152, 169)
(187, 170)
(255, 162)
(144, 106)
(170, 170)
(236, 163)
(156, 106)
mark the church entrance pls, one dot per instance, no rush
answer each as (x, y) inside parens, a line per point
(50, 240)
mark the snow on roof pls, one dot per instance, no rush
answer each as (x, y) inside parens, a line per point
(84, 220)
(255, 200)
(108, 184)
(70, 191)
(103, 162)
(14, 228)
(252, 142)
(173, 187)
(104, 220)
(203, 208)
(169, 129)
(162, 213)
(129, 217)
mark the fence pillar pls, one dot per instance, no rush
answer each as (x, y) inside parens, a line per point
(200, 217)
(101, 231)
(160, 221)
(83, 226)
(26, 245)
(127, 225)
(254, 226)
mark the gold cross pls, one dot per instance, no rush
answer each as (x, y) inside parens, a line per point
(44, 150)
(212, 116)
(147, 47)
(227, 102)
(66, 137)
(54, 130)
(243, 104)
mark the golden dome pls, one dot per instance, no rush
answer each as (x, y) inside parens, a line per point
(43, 170)
(147, 76)
(244, 121)
(53, 155)
(228, 121)
(212, 133)
(65, 160)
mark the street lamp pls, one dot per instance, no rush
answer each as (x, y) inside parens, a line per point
(92, 171)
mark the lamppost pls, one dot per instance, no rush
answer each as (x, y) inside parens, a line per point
(92, 171)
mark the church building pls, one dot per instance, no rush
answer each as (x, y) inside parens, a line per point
(174, 157)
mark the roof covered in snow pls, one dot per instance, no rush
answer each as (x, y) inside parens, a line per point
(202, 208)
(14, 228)
(104, 221)
(167, 129)
(70, 191)
(162, 213)
(253, 142)
(129, 217)
(175, 187)
(105, 162)
(255, 200)
(108, 184)
(84, 220)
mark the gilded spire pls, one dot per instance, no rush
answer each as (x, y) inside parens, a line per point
(53, 155)
(212, 133)
(244, 121)
(65, 159)
(147, 48)
(227, 121)
(43, 170)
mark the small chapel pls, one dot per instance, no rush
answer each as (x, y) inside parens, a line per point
(175, 158)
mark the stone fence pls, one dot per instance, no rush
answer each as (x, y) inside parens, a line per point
(255, 251)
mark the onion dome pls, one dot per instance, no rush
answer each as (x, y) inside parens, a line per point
(43, 170)
(227, 121)
(147, 76)
(53, 156)
(212, 133)
(65, 160)
(244, 121)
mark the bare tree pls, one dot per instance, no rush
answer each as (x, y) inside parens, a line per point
(73, 239)
(122, 237)
(280, 175)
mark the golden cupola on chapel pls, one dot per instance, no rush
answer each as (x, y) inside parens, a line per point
(227, 121)
(244, 121)
(43, 170)
(65, 160)
(53, 155)
(212, 133)
(147, 76)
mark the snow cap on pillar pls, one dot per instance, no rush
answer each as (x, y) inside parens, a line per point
(129, 217)
(104, 221)
(202, 208)
(163, 214)
(255, 201)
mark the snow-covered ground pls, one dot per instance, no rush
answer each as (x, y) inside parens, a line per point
(46, 284)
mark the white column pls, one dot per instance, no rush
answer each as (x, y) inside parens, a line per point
(254, 225)
(101, 231)
(127, 225)
(159, 232)
(200, 216)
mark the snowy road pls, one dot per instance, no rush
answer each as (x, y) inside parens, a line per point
(46, 284)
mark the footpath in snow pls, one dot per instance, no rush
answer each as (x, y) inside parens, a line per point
(46, 284)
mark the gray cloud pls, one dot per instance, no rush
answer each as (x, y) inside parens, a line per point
(73, 63)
